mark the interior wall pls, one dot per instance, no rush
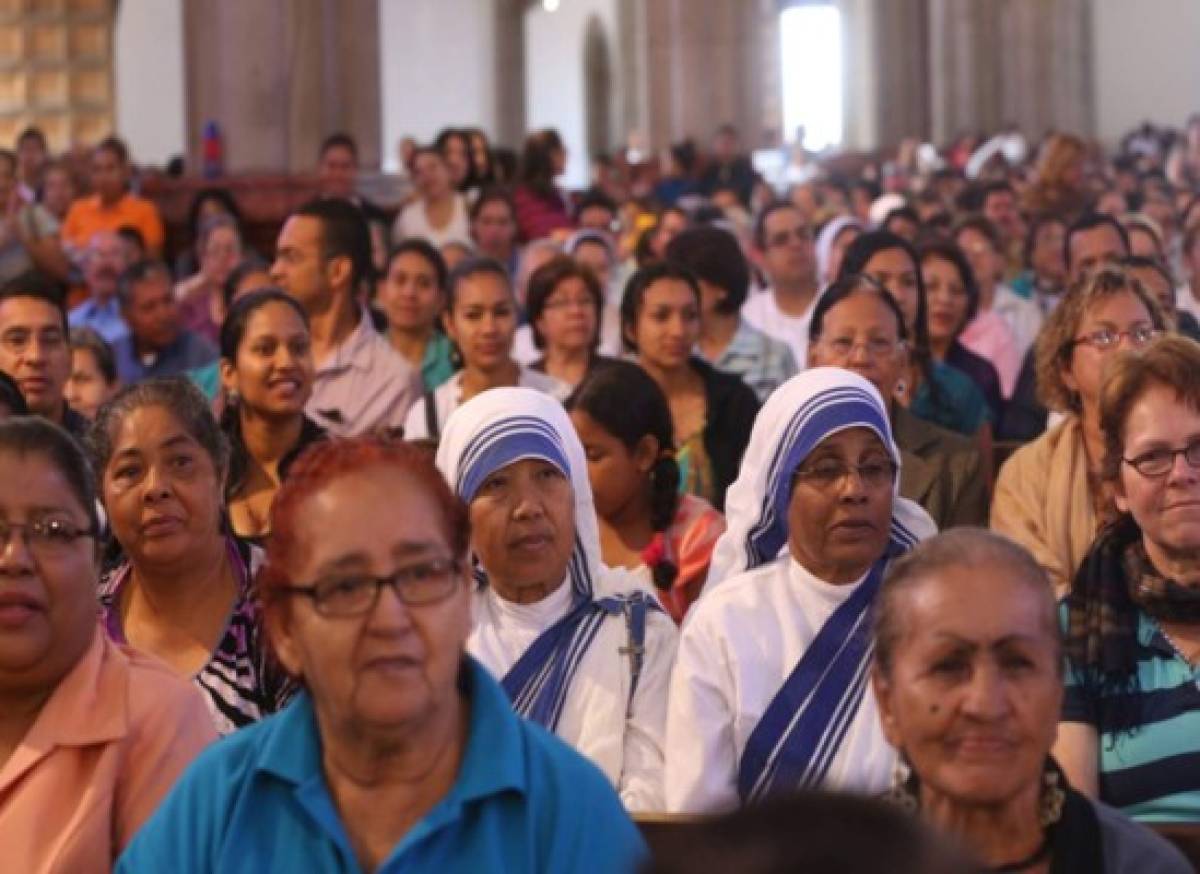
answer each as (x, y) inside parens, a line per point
(430, 81)
(555, 90)
(1146, 63)
(148, 75)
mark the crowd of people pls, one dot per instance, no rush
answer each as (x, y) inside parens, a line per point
(463, 534)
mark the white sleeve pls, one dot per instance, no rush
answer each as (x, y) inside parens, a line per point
(700, 775)
(414, 422)
(641, 784)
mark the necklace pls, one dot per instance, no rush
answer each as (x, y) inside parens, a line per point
(1038, 855)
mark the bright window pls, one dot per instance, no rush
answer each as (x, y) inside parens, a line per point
(811, 46)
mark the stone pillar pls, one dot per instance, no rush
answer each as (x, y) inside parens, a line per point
(278, 76)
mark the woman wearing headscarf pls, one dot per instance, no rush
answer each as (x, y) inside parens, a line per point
(581, 649)
(769, 693)
(835, 237)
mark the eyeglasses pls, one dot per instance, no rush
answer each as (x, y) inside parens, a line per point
(45, 535)
(1106, 338)
(562, 303)
(356, 594)
(877, 347)
(1158, 462)
(826, 475)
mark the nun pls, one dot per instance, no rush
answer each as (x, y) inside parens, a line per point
(583, 650)
(770, 691)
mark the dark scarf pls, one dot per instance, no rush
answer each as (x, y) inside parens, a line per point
(1115, 582)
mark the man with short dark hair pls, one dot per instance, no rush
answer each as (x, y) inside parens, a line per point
(783, 243)
(596, 211)
(323, 259)
(112, 205)
(34, 350)
(727, 342)
(728, 167)
(337, 177)
(1093, 239)
(157, 343)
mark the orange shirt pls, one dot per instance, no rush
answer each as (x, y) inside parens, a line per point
(105, 748)
(88, 215)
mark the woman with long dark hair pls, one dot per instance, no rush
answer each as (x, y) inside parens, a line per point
(646, 525)
(541, 205)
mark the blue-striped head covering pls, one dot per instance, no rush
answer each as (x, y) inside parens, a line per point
(502, 426)
(798, 416)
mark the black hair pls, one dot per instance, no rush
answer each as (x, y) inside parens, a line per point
(685, 155)
(627, 403)
(422, 248)
(90, 341)
(39, 286)
(1145, 262)
(136, 273)
(495, 194)
(760, 221)
(344, 234)
(339, 140)
(537, 161)
(475, 266)
(635, 293)
(901, 213)
(643, 251)
(848, 286)
(445, 135)
(595, 197)
(252, 264)
(1035, 227)
(132, 235)
(33, 132)
(33, 435)
(233, 328)
(11, 397)
(10, 157)
(222, 196)
(115, 145)
(981, 225)
(713, 255)
(857, 256)
(488, 177)
(1089, 222)
(948, 250)
(543, 282)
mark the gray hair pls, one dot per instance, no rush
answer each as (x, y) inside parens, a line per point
(966, 547)
(175, 394)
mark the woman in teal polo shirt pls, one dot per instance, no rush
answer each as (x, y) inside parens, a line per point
(402, 753)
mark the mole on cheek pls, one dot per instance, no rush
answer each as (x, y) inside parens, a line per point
(933, 708)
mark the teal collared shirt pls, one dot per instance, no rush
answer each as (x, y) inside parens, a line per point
(437, 366)
(523, 801)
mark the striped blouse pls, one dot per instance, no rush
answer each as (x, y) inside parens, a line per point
(241, 683)
(1149, 733)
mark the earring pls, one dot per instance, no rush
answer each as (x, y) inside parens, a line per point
(1050, 804)
(901, 793)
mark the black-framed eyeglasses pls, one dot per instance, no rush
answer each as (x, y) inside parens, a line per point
(426, 582)
(1158, 462)
(1105, 338)
(826, 475)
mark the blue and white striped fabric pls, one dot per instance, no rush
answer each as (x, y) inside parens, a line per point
(501, 427)
(800, 732)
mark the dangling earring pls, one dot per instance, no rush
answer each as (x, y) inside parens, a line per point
(1050, 804)
(901, 792)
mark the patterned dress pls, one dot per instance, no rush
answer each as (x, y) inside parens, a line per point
(241, 683)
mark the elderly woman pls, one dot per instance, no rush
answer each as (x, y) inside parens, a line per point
(769, 693)
(858, 325)
(92, 734)
(1131, 723)
(267, 375)
(201, 301)
(402, 753)
(582, 650)
(480, 319)
(1049, 495)
(182, 592)
(968, 676)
